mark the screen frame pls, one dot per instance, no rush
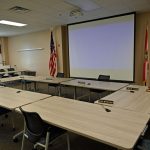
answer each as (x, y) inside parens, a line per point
(103, 18)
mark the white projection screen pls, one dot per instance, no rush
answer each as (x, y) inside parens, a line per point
(104, 46)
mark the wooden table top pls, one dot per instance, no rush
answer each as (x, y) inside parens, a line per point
(93, 84)
(119, 128)
(45, 79)
(9, 79)
(12, 98)
(136, 100)
(7, 72)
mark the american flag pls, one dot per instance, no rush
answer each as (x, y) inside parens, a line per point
(53, 58)
(146, 59)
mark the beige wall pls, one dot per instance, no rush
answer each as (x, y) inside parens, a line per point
(4, 50)
(36, 60)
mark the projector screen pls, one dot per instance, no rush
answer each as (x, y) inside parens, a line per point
(104, 46)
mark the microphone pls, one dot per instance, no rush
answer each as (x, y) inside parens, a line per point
(106, 109)
(18, 91)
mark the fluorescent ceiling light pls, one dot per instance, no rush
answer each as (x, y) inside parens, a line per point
(86, 5)
(12, 23)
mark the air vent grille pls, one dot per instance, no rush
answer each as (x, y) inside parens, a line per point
(18, 9)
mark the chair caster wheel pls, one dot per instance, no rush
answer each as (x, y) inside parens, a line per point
(15, 140)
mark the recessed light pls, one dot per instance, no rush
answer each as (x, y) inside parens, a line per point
(12, 23)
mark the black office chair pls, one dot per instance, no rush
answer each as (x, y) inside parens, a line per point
(4, 112)
(144, 145)
(103, 77)
(39, 132)
(59, 75)
(3, 75)
(13, 74)
(100, 78)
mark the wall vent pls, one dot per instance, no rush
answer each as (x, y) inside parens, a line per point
(18, 9)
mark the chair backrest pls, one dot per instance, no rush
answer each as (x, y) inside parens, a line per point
(2, 70)
(104, 77)
(32, 73)
(1, 75)
(60, 74)
(29, 73)
(34, 125)
(11, 69)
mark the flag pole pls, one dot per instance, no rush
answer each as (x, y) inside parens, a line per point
(148, 59)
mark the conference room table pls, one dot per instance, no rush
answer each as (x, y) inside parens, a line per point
(1, 86)
(15, 71)
(94, 84)
(36, 79)
(117, 127)
(10, 79)
(133, 97)
(12, 98)
(33, 79)
(44, 79)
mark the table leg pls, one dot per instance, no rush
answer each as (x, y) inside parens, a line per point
(75, 91)
(59, 90)
(25, 84)
(34, 86)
